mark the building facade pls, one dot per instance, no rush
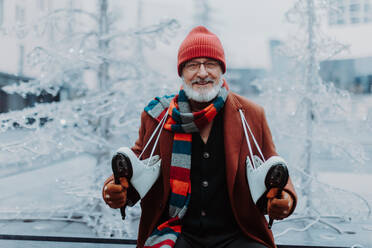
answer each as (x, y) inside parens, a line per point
(241, 79)
(354, 75)
(350, 12)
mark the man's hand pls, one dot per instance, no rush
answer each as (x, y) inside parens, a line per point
(115, 195)
(279, 208)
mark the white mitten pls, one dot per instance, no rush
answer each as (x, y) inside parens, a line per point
(256, 176)
(145, 173)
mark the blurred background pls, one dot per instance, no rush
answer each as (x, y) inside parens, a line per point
(75, 76)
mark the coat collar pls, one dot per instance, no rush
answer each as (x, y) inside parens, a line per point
(233, 138)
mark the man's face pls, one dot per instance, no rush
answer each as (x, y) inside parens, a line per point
(202, 79)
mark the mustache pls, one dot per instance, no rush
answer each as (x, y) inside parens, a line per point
(199, 80)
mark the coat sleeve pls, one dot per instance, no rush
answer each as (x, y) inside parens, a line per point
(132, 194)
(268, 150)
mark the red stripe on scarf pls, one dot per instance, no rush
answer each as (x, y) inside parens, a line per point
(176, 228)
(168, 124)
(180, 173)
(205, 116)
(183, 137)
(179, 187)
(172, 105)
(212, 114)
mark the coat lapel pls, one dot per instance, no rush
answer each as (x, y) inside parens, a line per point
(233, 138)
(166, 141)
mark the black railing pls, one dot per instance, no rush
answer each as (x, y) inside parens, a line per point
(108, 240)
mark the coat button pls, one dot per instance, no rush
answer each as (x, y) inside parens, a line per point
(203, 213)
(206, 155)
(205, 184)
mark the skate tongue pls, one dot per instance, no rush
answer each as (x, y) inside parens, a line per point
(152, 162)
(257, 161)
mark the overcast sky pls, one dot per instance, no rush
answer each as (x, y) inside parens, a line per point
(244, 27)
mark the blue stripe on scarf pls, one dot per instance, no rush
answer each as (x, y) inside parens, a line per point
(176, 115)
(177, 128)
(169, 96)
(151, 105)
(177, 200)
(182, 147)
(182, 96)
(164, 101)
(219, 103)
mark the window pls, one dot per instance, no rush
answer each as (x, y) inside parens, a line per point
(367, 7)
(367, 11)
(340, 21)
(336, 16)
(355, 12)
(354, 20)
(354, 7)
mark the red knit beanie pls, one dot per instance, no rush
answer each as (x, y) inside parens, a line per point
(200, 42)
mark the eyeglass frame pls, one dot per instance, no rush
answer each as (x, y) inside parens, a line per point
(214, 62)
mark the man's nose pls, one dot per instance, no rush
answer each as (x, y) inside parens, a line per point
(202, 72)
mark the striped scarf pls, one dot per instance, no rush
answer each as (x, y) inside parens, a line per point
(183, 123)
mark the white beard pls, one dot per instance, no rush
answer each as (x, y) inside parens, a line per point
(202, 95)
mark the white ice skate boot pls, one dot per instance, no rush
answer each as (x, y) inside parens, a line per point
(142, 174)
(257, 175)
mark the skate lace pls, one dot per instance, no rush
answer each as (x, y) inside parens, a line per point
(245, 126)
(161, 124)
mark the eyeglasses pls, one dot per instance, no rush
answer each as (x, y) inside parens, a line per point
(194, 66)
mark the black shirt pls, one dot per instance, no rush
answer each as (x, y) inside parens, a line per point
(209, 210)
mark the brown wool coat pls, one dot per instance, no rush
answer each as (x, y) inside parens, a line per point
(248, 216)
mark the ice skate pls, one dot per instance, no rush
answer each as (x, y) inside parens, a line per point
(142, 174)
(257, 174)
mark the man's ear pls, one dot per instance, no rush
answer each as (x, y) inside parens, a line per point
(181, 69)
(221, 66)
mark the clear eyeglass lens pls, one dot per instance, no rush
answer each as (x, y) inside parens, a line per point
(194, 66)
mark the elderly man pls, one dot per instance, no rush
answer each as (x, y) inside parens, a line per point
(202, 198)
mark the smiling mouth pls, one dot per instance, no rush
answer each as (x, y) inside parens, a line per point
(203, 82)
